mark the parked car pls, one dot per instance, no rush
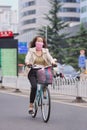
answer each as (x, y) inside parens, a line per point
(69, 72)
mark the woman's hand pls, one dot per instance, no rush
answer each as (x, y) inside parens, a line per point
(28, 65)
(54, 64)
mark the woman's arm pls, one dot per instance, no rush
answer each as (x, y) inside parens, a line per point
(28, 57)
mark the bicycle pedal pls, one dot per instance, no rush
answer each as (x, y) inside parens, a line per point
(30, 112)
(45, 97)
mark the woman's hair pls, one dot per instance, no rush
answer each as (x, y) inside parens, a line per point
(32, 43)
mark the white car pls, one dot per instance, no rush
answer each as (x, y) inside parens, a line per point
(70, 73)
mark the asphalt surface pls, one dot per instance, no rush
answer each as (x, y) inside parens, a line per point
(65, 99)
(14, 115)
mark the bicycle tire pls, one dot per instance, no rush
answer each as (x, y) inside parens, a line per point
(45, 105)
(35, 108)
(36, 104)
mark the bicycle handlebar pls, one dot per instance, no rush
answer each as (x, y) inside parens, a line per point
(35, 66)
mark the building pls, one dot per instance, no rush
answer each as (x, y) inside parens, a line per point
(73, 31)
(70, 11)
(83, 8)
(8, 19)
(31, 13)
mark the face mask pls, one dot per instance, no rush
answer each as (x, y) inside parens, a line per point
(39, 46)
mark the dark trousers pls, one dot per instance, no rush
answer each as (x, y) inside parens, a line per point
(33, 80)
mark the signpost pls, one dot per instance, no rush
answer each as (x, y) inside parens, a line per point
(6, 34)
(8, 54)
(9, 61)
(22, 47)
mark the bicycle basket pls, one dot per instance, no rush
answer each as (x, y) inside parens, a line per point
(45, 75)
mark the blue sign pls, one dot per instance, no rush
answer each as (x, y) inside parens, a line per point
(81, 61)
(22, 47)
(22, 51)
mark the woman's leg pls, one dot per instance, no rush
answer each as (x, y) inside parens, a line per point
(33, 80)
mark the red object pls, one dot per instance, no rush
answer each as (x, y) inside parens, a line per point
(6, 34)
(20, 65)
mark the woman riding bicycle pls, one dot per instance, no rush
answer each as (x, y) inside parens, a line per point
(37, 54)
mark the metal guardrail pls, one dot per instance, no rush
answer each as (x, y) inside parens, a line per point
(71, 87)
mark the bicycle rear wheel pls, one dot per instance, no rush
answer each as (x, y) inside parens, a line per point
(45, 104)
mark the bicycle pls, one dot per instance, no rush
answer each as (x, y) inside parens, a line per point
(42, 100)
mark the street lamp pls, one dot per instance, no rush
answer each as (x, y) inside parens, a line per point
(46, 33)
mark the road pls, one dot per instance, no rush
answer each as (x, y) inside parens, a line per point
(14, 115)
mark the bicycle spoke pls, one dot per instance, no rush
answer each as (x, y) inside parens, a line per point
(46, 105)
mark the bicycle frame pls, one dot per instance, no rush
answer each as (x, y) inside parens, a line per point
(37, 101)
(38, 95)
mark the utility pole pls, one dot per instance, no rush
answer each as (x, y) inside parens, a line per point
(46, 33)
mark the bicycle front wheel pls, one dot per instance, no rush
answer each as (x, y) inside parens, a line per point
(45, 104)
(35, 108)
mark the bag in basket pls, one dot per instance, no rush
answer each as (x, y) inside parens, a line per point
(45, 75)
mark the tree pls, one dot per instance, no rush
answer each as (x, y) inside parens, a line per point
(55, 40)
(21, 58)
(75, 44)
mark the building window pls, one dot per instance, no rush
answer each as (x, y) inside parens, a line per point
(73, 19)
(83, 0)
(73, 1)
(70, 10)
(30, 21)
(30, 12)
(83, 20)
(27, 30)
(26, 4)
(84, 9)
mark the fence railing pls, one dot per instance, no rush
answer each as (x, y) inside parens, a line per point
(71, 87)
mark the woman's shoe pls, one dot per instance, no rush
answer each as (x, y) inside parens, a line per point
(30, 109)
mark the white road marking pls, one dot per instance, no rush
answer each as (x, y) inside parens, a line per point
(83, 105)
